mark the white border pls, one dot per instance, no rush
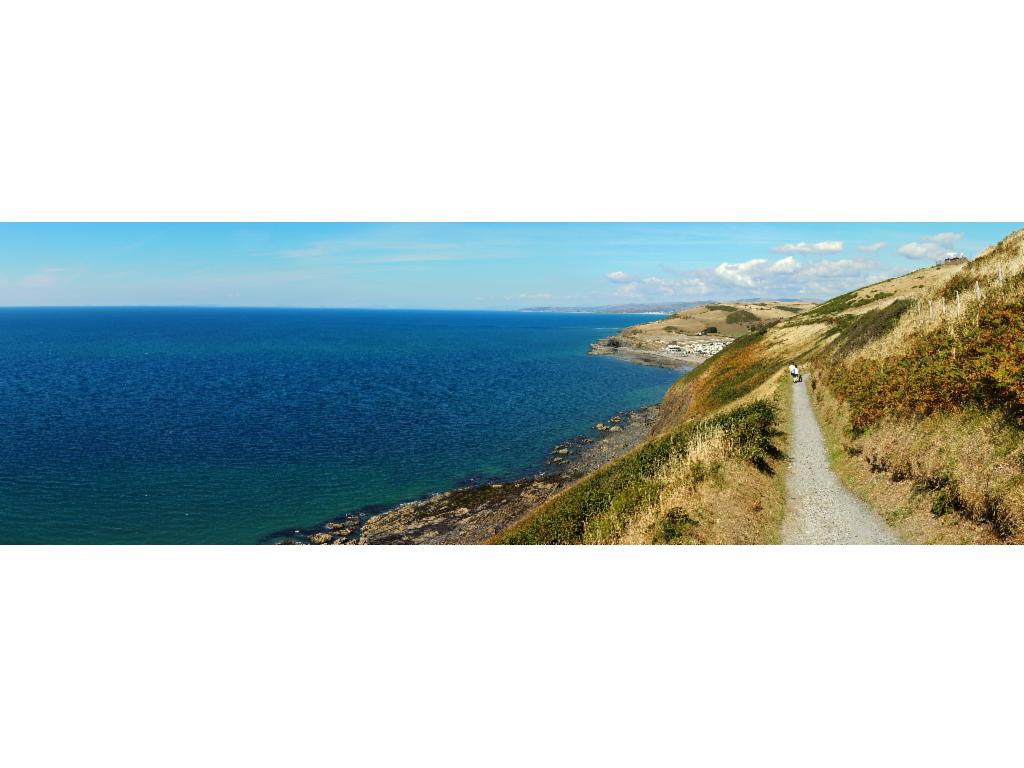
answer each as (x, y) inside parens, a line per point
(169, 656)
(120, 111)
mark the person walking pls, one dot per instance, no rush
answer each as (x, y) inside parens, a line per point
(795, 373)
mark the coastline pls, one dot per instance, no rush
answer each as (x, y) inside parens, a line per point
(472, 514)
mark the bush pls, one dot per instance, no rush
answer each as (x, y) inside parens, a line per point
(741, 316)
(676, 526)
(947, 369)
(870, 326)
(845, 302)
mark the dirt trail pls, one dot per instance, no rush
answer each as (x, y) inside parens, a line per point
(819, 510)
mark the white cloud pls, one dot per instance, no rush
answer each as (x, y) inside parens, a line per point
(534, 295)
(825, 246)
(932, 247)
(944, 238)
(871, 248)
(622, 277)
(648, 287)
(692, 285)
(924, 251)
(786, 277)
(742, 273)
(635, 287)
(786, 266)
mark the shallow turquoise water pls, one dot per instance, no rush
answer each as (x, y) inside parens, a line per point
(223, 426)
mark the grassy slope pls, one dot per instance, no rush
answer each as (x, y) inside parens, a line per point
(922, 412)
(925, 407)
(673, 489)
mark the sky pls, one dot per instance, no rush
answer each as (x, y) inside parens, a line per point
(451, 266)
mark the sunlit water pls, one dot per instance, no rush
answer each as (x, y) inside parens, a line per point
(223, 426)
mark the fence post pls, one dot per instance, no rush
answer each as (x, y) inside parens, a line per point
(958, 303)
(977, 290)
(929, 309)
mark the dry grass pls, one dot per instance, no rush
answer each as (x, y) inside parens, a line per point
(948, 479)
(934, 292)
(713, 481)
(706, 499)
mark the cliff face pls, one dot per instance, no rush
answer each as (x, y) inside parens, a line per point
(918, 384)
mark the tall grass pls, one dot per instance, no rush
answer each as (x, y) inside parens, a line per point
(606, 502)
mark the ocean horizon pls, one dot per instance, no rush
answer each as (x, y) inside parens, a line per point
(216, 425)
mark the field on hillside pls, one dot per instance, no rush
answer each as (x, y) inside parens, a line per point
(728, 320)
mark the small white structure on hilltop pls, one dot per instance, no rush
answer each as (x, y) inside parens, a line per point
(954, 258)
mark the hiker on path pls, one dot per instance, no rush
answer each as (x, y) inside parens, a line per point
(795, 373)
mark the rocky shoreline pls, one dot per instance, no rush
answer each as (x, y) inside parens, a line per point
(475, 513)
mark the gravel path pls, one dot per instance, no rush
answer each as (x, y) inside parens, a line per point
(819, 510)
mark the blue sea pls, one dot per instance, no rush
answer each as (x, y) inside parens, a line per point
(222, 426)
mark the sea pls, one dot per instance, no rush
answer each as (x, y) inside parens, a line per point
(226, 426)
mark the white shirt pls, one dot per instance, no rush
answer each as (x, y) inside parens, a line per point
(793, 370)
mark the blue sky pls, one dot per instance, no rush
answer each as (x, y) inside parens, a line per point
(492, 266)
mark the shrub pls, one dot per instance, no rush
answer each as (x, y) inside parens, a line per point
(721, 308)
(872, 325)
(676, 526)
(845, 302)
(942, 503)
(946, 369)
(741, 316)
